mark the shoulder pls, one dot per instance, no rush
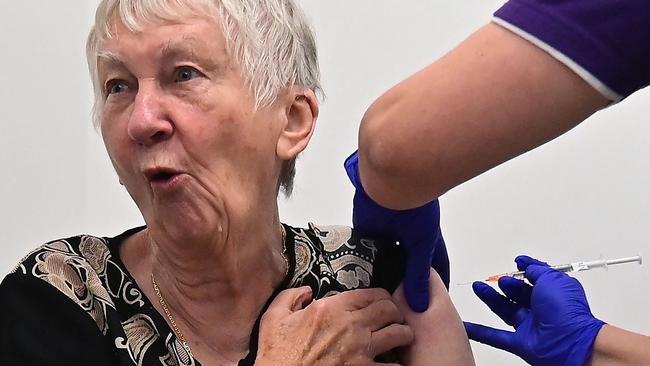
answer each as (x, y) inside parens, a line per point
(336, 258)
(70, 268)
(83, 252)
(345, 248)
(54, 302)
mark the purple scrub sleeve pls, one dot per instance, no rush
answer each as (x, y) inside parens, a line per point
(606, 42)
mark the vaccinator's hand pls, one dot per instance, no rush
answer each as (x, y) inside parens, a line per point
(553, 323)
(417, 229)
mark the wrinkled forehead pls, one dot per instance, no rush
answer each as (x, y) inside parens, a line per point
(158, 30)
(135, 15)
(194, 39)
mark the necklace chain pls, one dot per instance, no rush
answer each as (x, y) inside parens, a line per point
(178, 332)
(172, 321)
(284, 251)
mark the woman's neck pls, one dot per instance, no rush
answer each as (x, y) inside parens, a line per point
(225, 265)
(224, 281)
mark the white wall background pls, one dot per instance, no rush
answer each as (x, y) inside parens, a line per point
(581, 196)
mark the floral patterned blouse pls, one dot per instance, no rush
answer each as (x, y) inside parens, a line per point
(73, 302)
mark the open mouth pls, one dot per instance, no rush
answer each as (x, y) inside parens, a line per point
(160, 175)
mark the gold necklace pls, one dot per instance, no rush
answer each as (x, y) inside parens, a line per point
(172, 321)
(284, 251)
(178, 332)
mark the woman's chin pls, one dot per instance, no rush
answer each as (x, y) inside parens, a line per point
(181, 227)
(188, 233)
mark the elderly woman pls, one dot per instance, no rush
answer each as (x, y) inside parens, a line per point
(203, 106)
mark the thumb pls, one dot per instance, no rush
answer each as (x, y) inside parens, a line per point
(291, 300)
(352, 168)
(416, 281)
(497, 338)
(534, 272)
(523, 261)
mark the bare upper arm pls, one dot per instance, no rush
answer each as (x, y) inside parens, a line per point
(440, 337)
(493, 97)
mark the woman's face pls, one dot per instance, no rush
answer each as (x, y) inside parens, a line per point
(180, 128)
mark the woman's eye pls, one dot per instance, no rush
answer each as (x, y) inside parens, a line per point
(185, 73)
(116, 86)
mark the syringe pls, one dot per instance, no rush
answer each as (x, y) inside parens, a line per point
(569, 267)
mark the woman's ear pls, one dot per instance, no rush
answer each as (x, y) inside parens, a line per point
(301, 114)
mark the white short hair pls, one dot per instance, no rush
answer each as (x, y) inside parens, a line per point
(270, 40)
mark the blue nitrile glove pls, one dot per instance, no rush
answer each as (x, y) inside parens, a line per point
(418, 230)
(552, 320)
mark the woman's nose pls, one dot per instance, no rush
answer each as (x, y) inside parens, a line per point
(149, 121)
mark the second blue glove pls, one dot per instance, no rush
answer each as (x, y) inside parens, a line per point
(552, 320)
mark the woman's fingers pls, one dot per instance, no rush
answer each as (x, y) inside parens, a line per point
(380, 314)
(352, 327)
(360, 299)
(375, 311)
(389, 338)
(385, 322)
(290, 300)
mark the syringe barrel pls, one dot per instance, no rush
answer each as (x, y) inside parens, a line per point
(564, 267)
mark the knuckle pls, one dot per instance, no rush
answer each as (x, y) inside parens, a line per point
(320, 308)
(380, 293)
(269, 317)
(388, 309)
(373, 293)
